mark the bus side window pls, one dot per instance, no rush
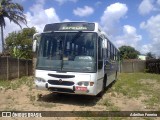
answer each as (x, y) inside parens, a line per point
(108, 48)
(100, 54)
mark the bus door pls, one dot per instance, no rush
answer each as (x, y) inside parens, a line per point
(108, 70)
(100, 65)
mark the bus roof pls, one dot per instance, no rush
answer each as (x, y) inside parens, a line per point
(76, 26)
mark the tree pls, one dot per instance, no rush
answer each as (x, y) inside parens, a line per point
(19, 44)
(12, 11)
(128, 52)
(150, 56)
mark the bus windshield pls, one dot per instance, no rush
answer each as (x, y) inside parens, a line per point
(67, 51)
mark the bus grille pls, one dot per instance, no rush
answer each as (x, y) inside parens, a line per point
(60, 90)
(56, 82)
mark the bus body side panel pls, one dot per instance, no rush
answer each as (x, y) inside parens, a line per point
(100, 76)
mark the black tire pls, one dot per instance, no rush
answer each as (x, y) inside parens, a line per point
(104, 83)
(116, 77)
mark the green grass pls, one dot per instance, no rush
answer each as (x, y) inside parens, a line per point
(134, 85)
(130, 85)
(109, 105)
(16, 83)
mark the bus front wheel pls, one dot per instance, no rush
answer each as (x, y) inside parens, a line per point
(104, 83)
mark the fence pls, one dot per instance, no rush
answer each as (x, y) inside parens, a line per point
(131, 66)
(153, 66)
(14, 68)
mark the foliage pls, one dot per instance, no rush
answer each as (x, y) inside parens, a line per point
(19, 44)
(12, 11)
(150, 55)
(128, 52)
(153, 65)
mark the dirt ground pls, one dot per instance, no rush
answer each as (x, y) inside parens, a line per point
(27, 98)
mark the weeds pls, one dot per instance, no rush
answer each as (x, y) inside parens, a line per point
(32, 98)
(130, 84)
(45, 104)
(134, 85)
(16, 83)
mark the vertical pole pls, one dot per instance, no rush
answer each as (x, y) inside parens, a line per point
(2, 38)
(133, 66)
(7, 68)
(18, 69)
(121, 65)
(27, 67)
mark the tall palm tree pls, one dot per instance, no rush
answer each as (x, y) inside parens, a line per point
(12, 11)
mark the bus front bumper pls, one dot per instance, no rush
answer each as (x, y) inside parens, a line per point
(64, 89)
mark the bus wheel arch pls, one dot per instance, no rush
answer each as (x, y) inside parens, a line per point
(104, 82)
(103, 86)
(116, 76)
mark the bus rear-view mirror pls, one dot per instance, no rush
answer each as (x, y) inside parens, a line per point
(34, 45)
(36, 38)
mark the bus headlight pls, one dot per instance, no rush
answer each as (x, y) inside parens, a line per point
(83, 83)
(39, 79)
(80, 83)
(86, 83)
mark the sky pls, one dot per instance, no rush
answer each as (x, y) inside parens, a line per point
(127, 22)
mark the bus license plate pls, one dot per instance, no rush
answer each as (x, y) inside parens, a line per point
(81, 88)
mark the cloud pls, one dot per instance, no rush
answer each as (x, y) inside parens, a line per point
(158, 2)
(19, 1)
(145, 7)
(34, 18)
(152, 26)
(66, 20)
(129, 37)
(82, 12)
(10, 27)
(112, 15)
(65, 1)
(146, 48)
(98, 3)
(39, 20)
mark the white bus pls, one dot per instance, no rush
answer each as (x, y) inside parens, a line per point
(74, 57)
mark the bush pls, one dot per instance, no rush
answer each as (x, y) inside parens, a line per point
(153, 66)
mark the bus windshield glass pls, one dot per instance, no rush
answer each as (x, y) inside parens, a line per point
(67, 51)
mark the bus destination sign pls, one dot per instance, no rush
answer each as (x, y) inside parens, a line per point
(74, 28)
(70, 26)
